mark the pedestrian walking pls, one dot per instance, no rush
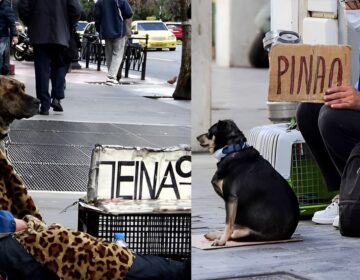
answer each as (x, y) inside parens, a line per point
(110, 21)
(7, 31)
(49, 27)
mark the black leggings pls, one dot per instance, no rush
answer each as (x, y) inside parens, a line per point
(330, 134)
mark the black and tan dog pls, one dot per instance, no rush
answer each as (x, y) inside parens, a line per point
(260, 205)
(14, 103)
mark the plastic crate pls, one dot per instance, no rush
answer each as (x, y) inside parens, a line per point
(161, 234)
(287, 151)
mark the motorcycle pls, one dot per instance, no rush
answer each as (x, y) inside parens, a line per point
(23, 49)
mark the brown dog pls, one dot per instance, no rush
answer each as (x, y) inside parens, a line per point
(14, 103)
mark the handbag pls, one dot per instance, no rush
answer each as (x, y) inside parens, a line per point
(349, 205)
(71, 53)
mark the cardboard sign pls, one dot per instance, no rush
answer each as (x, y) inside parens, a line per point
(305, 72)
(139, 173)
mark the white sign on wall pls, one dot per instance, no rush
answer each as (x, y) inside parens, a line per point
(139, 173)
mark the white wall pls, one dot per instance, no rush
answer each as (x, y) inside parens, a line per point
(235, 30)
(201, 68)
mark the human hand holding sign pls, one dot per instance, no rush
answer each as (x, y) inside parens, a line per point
(342, 97)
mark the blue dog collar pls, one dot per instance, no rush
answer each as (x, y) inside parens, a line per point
(227, 150)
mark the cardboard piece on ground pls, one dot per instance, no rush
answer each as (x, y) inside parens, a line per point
(200, 242)
(302, 73)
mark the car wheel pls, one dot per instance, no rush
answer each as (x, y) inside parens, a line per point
(158, 49)
(172, 49)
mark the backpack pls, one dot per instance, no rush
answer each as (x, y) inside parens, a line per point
(349, 204)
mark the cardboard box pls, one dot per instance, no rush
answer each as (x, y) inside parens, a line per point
(302, 73)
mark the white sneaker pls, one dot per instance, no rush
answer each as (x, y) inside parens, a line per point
(111, 82)
(336, 222)
(327, 216)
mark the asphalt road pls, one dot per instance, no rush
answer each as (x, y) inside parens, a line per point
(163, 65)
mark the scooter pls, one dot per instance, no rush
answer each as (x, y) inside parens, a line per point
(23, 49)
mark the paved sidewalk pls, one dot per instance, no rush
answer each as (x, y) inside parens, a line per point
(240, 94)
(129, 111)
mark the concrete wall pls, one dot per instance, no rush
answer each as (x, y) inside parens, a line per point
(201, 68)
(235, 30)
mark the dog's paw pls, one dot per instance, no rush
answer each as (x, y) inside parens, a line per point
(218, 242)
(213, 235)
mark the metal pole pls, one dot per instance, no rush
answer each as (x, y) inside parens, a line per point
(143, 69)
(127, 60)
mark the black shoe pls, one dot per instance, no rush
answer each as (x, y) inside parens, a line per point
(55, 104)
(43, 112)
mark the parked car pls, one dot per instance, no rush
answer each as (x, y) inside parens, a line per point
(91, 33)
(176, 28)
(80, 27)
(159, 35)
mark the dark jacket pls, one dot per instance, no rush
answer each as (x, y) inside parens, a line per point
(109, 22)
(49, 21)
(7, 20)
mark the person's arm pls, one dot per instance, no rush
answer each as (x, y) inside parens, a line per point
(97, 16)
(24, 10)
(342, 97)
(10, 17)
(74, 10)
(7, 222)
(10, 224)
(126, 9)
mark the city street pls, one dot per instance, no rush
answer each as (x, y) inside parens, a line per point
(52, 153)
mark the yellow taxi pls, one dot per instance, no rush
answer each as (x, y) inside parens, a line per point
(159, 35)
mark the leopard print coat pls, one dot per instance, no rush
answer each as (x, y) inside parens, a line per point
(74, 255)
(13, 194)
(71, 254)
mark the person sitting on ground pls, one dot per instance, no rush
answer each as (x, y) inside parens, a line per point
(331, 130)
(32, 250)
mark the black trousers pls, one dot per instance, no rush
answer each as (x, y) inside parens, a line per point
(18, 264)
(157, 268)
(330, 134)
(49, 65)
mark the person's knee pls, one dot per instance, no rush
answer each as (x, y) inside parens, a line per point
(301, 113)
(307, 115)
(327, 121)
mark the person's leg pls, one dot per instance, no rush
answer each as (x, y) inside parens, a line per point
(42, 75)
(341, 132)
(157, 268)
(307, 116)
(108, 52)
(3, 45)
(117, 56)
(59, 69)
(18, 264)
(5, 69)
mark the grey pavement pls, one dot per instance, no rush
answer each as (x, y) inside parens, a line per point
(240, 94)
(135, 112)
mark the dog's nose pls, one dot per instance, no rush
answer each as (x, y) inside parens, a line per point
(200, 136)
